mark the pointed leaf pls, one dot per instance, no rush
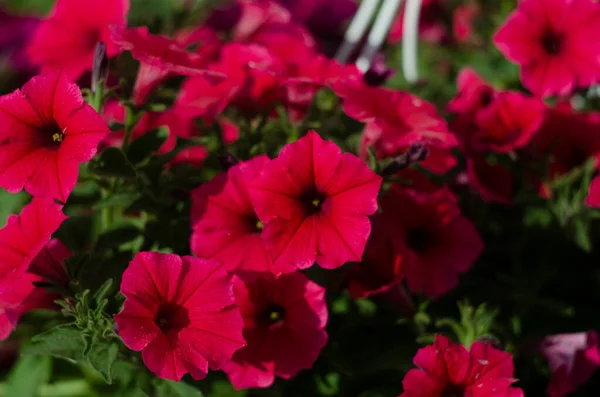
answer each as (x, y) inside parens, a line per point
(102, 357)
(28, 375)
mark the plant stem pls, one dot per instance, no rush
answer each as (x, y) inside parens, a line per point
(129, 125)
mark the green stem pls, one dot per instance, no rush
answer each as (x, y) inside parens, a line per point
(129, 125)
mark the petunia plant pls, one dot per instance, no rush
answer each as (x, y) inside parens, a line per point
(217, 199)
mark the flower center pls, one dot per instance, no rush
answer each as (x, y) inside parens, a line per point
(171, 316)
(552, 43)
(453, 391)
(419, 239)
(312, 202)
(486, 98)
(52, 135)
(274, 314)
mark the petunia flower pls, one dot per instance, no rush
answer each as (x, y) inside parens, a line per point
(225, 225)
(449, 369)
(382, 267)
(179, 311)
(557, 139)
(24, 236)
(473, 93)
(67, 38)
(161, 57)
(314, 202)
(23, 296)
(431, 23)
(395, 120)
(435, 241)
(46, 131)
(284, 326)
(493, 182)
(15, 33)
(508, 123)
(593, 197)
(550, 40)
(572, 358)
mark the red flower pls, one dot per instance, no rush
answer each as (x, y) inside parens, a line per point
(24, 236)
(493, 182)
(567, 149)
(225, 225)
(573, 358)
(67, 39)
(593, 197)
(550, 40)
(46, 131)
(314, 202)
(160, 57)
(179, 312)
(448, 369)
(463, 20)
(284, 326)
(381, 267)
(435, 241)
(49, 264)
(395, 120)
(431, 23)
(253, 83)
(179, 125)
(508, 123)
(474, 93)
(23, 296)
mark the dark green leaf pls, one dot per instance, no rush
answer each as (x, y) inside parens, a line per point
(115, 238)
(117, 200)
(168, 388)
(63, 342)
(146, 145)
(76, 232)
(102, 357)
(114, 163)
(103, 291)
(582, 235)
(28, 375)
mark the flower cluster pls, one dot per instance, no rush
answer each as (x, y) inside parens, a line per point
(204, 198)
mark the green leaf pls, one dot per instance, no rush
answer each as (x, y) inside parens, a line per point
(102, 357)
(582, 235)
(29, 373)
(115, 238)
(168, 388)
(114, 163)
(146, 145)
(64, 342)
(103, 291)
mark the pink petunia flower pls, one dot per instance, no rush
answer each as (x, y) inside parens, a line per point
(315, 202)
(473, 93)
(431, 23)
(67, 38)
(550, 40)
(448, 369)
(179, 311)
(161, 57)
(46, 131)
(463, 20)
(573, 358)
(593, 197)
(284, 326)
(508, 123)
(436, 242)
(225, 225)
(493, 182)
(395, 120)
(23, 296)
(24, 236)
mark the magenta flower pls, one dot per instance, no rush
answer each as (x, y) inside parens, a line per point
(550, 40)
(24, 237)
(315, 202)
(46, 131)
(67, 38)
(225, 225)
(508, 123)
(573, 358)
(180, 313)
(435, 241)
(284, 326)
(448, 369)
